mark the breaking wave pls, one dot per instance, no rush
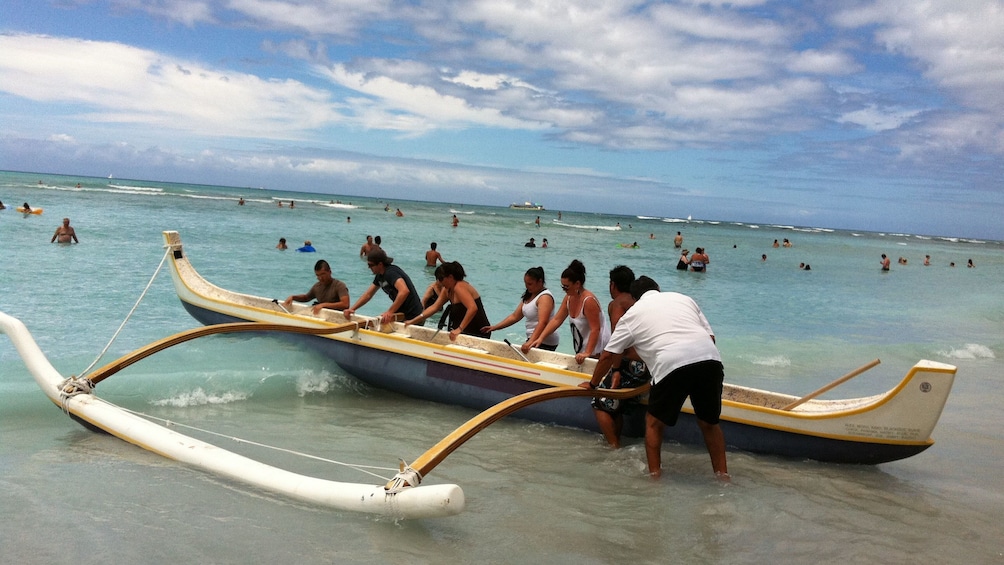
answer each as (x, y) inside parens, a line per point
(969, 351)
(199, 397)
(771, 361)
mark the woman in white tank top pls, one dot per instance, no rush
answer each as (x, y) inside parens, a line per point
(590, 330)
(536, 306)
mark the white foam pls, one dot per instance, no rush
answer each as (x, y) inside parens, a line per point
(135, 188)
(969, 351)
(199, 397)
(584, 227)
(771, 361)
(322, 382)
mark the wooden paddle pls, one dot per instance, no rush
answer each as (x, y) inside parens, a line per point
(235, 327)
(834, 384)
(435, 455)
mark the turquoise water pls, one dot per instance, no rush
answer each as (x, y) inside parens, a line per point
(779, 328)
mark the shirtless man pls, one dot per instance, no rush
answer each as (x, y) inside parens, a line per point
(64, 233)
(629, 373)
(431, 256)
(367, 247)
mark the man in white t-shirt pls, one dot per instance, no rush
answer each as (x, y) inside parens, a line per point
(674, 339)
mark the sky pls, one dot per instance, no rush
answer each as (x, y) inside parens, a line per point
(878, 115)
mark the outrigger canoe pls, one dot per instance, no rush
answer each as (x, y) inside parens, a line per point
(480, 373)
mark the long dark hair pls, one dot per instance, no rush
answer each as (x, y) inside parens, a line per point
(537, 274)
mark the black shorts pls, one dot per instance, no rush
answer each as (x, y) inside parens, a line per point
(701, 381)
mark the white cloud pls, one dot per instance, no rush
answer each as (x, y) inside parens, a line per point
(325, 17)
(484, 81)
(815, 61)
(598, 70)
(298, 49)
(111, 82)
(960, 47)
(876, 119)
(423, 107)
(187, 12)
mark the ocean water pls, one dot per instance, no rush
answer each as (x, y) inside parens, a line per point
(536, 494)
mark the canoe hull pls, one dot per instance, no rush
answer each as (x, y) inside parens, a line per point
(439, 375)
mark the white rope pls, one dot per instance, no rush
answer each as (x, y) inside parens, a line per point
(73, 386)
(357, 467)
(406, 477)
(129, 315)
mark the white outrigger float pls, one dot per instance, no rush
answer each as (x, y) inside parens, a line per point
(74, 395)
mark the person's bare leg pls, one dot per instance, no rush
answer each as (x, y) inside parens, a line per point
(653, 445)
(608, 427)
(714, 439)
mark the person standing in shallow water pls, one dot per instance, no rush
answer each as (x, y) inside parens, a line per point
(367, 247)
(684, 262)
(433, 257)
(699, 260)
(629, 373)
(671, 335)
(65, 233)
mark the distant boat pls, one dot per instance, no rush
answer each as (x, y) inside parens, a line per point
(526, 206)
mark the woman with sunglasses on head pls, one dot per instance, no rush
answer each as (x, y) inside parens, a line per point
(536, 305)
(590, 330)
(466, 312)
